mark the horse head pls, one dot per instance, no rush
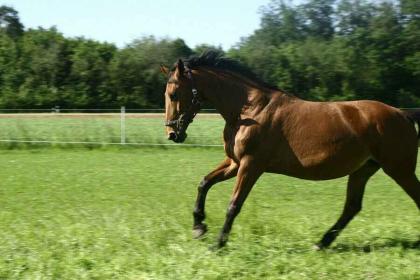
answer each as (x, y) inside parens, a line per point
(181, 101)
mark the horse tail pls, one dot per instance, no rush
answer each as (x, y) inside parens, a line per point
(414, 116)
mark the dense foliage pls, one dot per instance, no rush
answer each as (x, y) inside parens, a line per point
(335, 50)
(320, 50)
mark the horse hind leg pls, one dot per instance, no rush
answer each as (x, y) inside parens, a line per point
(355, 190)
(410, 184)
(403, 173)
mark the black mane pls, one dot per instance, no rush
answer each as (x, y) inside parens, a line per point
(217, 60)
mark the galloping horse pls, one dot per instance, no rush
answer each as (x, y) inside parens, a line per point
(268, 130)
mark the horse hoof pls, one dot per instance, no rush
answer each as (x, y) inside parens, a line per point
(319, 247)
(214, 248)
(199, 231)
(217, 247)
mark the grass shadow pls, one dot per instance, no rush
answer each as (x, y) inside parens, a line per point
(367, 248)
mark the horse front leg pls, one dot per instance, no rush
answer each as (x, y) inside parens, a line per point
(226, 170)
(248, 174)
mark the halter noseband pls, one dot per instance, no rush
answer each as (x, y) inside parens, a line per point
(186, 118)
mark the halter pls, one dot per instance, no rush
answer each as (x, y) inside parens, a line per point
(187, 117)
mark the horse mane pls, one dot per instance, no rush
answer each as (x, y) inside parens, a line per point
(217, 60)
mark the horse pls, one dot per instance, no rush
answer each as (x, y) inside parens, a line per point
(269, 130)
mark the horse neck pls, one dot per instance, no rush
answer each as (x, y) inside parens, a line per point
(230, 94)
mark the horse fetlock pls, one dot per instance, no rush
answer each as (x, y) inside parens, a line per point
(199, 216)
(328, 238)
(223, 238)
(321, 245)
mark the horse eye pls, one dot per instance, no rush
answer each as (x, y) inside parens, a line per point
(173, 97)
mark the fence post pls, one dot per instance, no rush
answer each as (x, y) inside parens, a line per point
(122, 126)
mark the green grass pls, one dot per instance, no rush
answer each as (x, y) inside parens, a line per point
(97, 128)
(126, 214)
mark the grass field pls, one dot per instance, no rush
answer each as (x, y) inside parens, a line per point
(126, 214)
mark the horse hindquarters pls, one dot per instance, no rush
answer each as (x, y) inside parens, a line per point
(398, 153)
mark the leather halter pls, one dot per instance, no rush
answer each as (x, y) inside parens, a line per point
(187, 117)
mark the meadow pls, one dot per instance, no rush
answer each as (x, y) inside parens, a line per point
(126, 213)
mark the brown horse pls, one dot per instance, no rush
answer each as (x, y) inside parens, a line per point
(268, 130)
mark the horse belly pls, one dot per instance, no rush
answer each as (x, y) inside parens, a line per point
(320, 162)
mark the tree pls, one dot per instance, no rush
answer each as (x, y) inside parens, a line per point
(136, 78)
(10, 23)
(352, 15)
(280, 24)
(8, 71)
(88, 84)
(321, 50)
(199, 49)
(42, 68)
(319, 18)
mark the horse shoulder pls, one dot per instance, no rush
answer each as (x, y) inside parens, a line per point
(242, 137)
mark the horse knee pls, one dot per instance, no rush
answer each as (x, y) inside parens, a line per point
(204, 185)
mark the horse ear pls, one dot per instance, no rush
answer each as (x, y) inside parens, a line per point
(180, 66)
(164, 69)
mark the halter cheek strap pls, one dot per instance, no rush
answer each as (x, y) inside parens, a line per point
(195, 99)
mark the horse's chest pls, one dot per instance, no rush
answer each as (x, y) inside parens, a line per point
(240, 140)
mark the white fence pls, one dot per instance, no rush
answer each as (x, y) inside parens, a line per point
(143, 127)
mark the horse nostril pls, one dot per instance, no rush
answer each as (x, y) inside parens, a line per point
(172, 136)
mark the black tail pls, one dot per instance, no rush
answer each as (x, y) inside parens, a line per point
(414, 116)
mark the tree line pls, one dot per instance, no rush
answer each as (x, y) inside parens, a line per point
(319, 50)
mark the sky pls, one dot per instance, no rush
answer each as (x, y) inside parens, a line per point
(215, 22)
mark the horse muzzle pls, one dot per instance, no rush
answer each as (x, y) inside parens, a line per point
(179, 126)
(177, 137)
(172, 136)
